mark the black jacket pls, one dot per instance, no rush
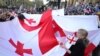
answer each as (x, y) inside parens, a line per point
(77, 49)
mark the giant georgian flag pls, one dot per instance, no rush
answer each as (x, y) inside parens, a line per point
(33, 36)
(38, 35)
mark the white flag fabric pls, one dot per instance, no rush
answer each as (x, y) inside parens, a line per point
(38, 35)
(72, 24)
(25, 37)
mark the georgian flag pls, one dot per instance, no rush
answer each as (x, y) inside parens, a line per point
(70, 24)
(38, 35)
(29, 37)
(94, 42)
(90, 23)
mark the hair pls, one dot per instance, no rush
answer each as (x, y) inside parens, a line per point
(21, 16)
(83, 32)
(5, 15)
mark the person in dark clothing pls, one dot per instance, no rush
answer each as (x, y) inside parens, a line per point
(79, 48)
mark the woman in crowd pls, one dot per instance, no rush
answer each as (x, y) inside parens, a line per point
(79, 47)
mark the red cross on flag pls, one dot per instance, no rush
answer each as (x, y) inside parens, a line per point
(32, 36)
(19, 48)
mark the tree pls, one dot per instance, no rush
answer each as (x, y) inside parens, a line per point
(26, 3)
(2, 3)
(38, 3)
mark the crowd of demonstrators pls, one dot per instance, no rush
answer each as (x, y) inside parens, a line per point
(83, 9)
(7, 14)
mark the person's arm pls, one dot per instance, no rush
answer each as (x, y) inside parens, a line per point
(21, 16)
(63, 46)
